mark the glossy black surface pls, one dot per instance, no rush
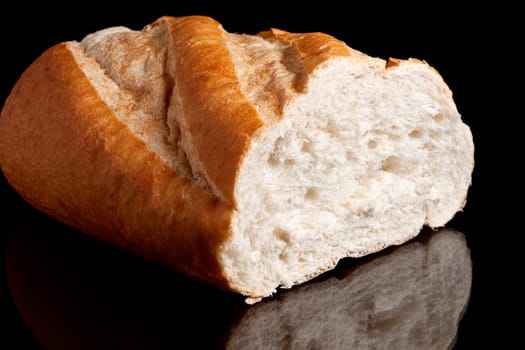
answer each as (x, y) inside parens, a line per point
(77, 293)
(66, 291)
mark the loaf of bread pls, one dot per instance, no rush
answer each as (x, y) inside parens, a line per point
(250, 162)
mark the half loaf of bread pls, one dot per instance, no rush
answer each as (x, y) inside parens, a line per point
(246, 161)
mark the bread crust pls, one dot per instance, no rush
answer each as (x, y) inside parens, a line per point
(67, 153)
(217, 121)
(313, 48)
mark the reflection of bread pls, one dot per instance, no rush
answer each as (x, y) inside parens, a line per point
(75, 293)
(249, 162)
(412, 298)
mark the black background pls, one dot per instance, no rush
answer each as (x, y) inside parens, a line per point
(474, 49)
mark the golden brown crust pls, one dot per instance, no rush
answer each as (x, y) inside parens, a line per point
(392, 62)
(313, 49)
(219, 118)
(65, 151)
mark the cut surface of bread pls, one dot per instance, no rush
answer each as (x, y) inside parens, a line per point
(247, 161)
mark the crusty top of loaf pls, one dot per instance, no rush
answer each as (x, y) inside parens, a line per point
(219, 117)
